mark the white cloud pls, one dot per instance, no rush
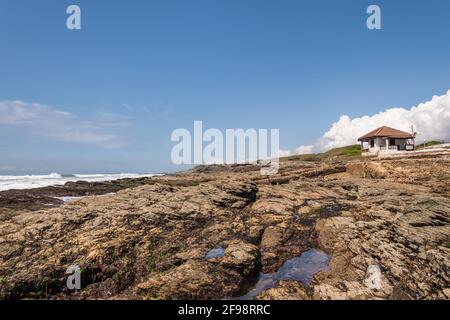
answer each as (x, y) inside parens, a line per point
(431, 120)
(284, 153)
(304, 150)
(44, 121)
(109, 119)
(300, 150)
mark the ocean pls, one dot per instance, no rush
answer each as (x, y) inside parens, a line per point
(55, 179)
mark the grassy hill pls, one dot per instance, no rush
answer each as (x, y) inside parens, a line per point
(344, 153)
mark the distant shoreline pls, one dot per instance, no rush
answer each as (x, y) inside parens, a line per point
(41, 197)
(26, 182)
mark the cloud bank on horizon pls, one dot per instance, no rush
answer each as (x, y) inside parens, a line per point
(44, 121)
(431, 121)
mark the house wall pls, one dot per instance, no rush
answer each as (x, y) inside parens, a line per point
(380, 147)
(378, 143)
(401, 143)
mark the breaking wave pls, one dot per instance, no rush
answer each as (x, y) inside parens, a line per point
(54, 179)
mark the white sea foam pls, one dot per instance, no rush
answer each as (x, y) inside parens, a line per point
(55, 179)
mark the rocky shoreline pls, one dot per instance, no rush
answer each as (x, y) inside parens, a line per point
(385, 226)
(44, 197)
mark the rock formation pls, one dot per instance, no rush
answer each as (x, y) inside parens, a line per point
(385, 224)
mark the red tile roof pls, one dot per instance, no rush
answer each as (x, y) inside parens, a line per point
(387, 132)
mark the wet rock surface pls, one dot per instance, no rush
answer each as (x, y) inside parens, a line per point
(299, 270)
(385, 226)
(45, 197)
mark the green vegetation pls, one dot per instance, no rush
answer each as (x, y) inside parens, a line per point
(182, 182)
(154, 260)
(428, 144)
(349, 151)
(127, 183)
(344, 153)
(303, 157)
(130, 183)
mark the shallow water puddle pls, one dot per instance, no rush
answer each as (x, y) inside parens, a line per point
(302, 268)
(68, 199)
(72, 199)
(215, 253)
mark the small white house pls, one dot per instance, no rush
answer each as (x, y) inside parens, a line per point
(385, 141)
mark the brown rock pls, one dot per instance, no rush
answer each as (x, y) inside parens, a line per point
(285, 290)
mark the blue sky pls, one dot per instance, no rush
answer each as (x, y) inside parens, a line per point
(140, 69)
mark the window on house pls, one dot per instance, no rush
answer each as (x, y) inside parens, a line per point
(391, 142)
(372, 143)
